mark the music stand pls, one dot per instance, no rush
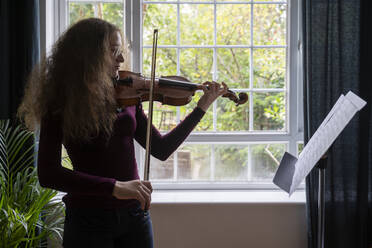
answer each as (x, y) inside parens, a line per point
(292, 171)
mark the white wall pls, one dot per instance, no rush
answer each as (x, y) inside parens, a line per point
(256, 225)
(227, 225)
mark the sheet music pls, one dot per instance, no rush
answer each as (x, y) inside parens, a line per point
(341, 113)
(339, 116)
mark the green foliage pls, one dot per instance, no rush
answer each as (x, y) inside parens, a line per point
(27, 213)
(231, 161)
(269, 109)
(112, 12)
(80, 11)
(195, 24)
(155, 18)
(233, 24)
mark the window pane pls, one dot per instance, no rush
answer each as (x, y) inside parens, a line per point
(164, 117)
(270, 0)
(234, 1)
(162, 170)
(78, 11)
(197, 1)
(164, 18)
(161, 1)
(206, 124)
(233, 67)
(166, 61)
(265, 160)
(269, 111)
(300, 147)
(112, 12)
(196, 24)
(231, 162)
(194, 162)
(269, 25)
(65, 159)
(196, 64)
(269, 65)
(231, 117)
(233, 24)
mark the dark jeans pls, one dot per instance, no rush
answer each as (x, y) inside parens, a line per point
(124, 228)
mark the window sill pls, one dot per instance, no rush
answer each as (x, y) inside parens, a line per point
(222, 197)
(227, 197)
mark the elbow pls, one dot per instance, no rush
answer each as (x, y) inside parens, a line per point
(44, 182)
(162, 151)
(44, 178)
(162, 156)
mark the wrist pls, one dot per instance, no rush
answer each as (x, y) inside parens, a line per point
(117, 186)
(203, 107)
(115, 189)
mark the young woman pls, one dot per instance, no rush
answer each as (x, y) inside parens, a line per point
(71, 96)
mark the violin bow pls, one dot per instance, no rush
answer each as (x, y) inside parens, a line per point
(151, 107)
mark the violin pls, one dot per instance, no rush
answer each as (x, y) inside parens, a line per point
(133, 88)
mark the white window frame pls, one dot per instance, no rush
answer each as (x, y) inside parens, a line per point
(57, 23)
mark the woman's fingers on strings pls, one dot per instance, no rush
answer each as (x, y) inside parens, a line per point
(216, 86)
(219, 89)
(211, 86)
(205, 86)
(224, 89)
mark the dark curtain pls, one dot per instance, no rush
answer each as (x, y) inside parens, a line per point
(337, 50)
(19, 50)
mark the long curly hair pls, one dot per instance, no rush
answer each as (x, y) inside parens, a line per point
(74, 83)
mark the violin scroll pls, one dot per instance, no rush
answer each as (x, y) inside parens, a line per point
(240, 99)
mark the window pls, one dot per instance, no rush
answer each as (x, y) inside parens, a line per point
(250, 45)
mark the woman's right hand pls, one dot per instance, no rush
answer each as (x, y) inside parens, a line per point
(135, 189)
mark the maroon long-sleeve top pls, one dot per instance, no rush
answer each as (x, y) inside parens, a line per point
(99, 163)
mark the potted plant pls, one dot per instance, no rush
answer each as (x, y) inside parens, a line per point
(29, 215)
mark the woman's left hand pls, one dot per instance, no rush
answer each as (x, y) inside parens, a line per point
(212, 91)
